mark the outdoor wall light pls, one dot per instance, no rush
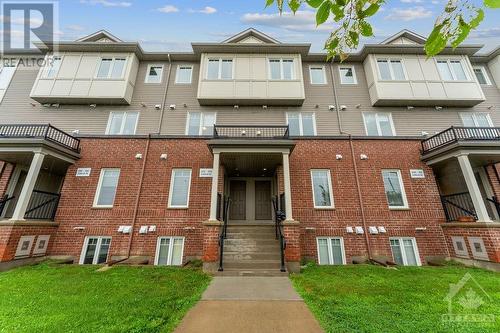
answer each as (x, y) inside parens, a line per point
(343, 107)
(138, 156)
(46, 105)
(236, 106)
(349, 230)
(331, 107)
(75, 132)
(243, 133)
(172, 106)
(163, 157)
(143, 229)
(93, 106)
(420, 228)
(359, 230)
(259, 133)
(381, 230)
(424, 133)
(438, 108)
(363, 157)
(264, 107)
(358, 106)
(143, 105)
(373, 230)
(158, 107)
(56, 105)
(33, 104)
(152, 228)
(79, 228)
(338, 157)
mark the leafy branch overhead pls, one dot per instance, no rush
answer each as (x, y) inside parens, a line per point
(349, 19)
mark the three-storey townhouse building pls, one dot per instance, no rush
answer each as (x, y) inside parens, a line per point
(251, 154)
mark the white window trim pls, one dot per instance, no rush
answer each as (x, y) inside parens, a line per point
(294, 77)
(190, 76)
(98, 248)
(170, 248)
(99, 185)
(485, 74)
(459, 253)
(403, 191)
(391, 71)
(301, 127)
(354, 76)
(330, 188)
(46, 69)
(146, 79)
(112, 113)
(474, 117)
(330, 252)
(389, 114)
(403, 253)
(202, 117)
(10, 80)
(453, 75)
(108, 76)
(219, 76)
(476, 255)
(170, 192)
(325, 81)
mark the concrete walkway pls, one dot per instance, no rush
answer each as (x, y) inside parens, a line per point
(250, 304)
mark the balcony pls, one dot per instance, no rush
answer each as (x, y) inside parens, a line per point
(251, 132)
(42, 206)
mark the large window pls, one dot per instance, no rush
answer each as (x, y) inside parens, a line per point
(394, 189)
(154, 74)
(200, 123)
(220, 69)
(95, 250)
(184, 74)
(378, 124)
(301, 123)
(281, 69)
(476, 119)
(451, 70)
(122, 123)
(317, 74)
(169, 251)
(391, 69)
(481, 75)
(111, 68)
(52, 67)
(331, 251)
(322, 188)
(7, 71)
(180, 185)
(405, 251)
(106, 188)
(347, 75)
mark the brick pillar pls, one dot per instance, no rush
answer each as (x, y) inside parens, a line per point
(6, 170)
(493, 178)
(211, 230)
(291, 230)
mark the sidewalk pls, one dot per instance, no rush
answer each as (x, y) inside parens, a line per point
(250, 304)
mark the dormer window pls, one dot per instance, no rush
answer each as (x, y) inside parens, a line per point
(281, 69)
(220, 69)
(111, 68)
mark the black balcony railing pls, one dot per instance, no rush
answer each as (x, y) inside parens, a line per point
(47, 132)
(250, 132)
(458, 205)
(457, 134)
(42, 206)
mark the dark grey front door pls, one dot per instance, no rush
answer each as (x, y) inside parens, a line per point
(238, 194)
(263, 200)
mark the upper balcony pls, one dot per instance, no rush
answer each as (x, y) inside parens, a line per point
(86, 78)
(414, 80)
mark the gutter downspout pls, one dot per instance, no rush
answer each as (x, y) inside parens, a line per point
(165, 94)
(336, 100)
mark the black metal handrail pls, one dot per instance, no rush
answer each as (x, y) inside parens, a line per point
(250, 132)
(457, 205)
(3, 202)
(456, 134)
(223, 232)
(47, 132)
(279, 217)
(42, 205)
(496, 203)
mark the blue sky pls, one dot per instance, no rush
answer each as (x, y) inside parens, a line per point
(173, 25)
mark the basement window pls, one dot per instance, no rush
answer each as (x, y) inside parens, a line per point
(169, 251)
(331, 251)
(460, 247)
(477, 247)
(405, 251)
(95, 250)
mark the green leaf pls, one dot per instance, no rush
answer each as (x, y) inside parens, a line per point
(354, 37)
(332, 44)
(365, 29)
(371, 10)
(464, 29)
(341, 3)
(492, 3)
(294, 5)
(314, 3)
(338, 12)
(269, 2)
(323, 12)
(476, 20)
(436, 41)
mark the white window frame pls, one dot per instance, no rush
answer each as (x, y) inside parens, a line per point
(301, 126)
(391, 71)
(485, 74)
(219, 76)
(460, 253)
(202, 117)
(330, 252)
(403, 252)
(403, 191)
(98, 248)
(99, 185)
(170, 248)
(190, 75)
(46, 69)
(110, 71)
(379, 130)
(354, 76)
(474, 117)
(452, 71)
(330, 188)
(293, 76)
(170, 192)
(2, 66)
(146, 79)
(323, 70)
(124, 113)
(475, 254)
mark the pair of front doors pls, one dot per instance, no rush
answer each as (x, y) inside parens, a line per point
(261, 200)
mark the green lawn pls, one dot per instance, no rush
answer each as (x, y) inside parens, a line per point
(364, 298)
(55, 298)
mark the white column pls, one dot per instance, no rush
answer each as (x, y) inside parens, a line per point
(28, 186)
(288, 190)
(475, 193)
(215, 182)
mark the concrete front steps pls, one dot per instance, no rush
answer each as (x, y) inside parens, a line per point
(251, 249)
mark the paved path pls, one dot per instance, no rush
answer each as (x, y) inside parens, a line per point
(250, 304)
